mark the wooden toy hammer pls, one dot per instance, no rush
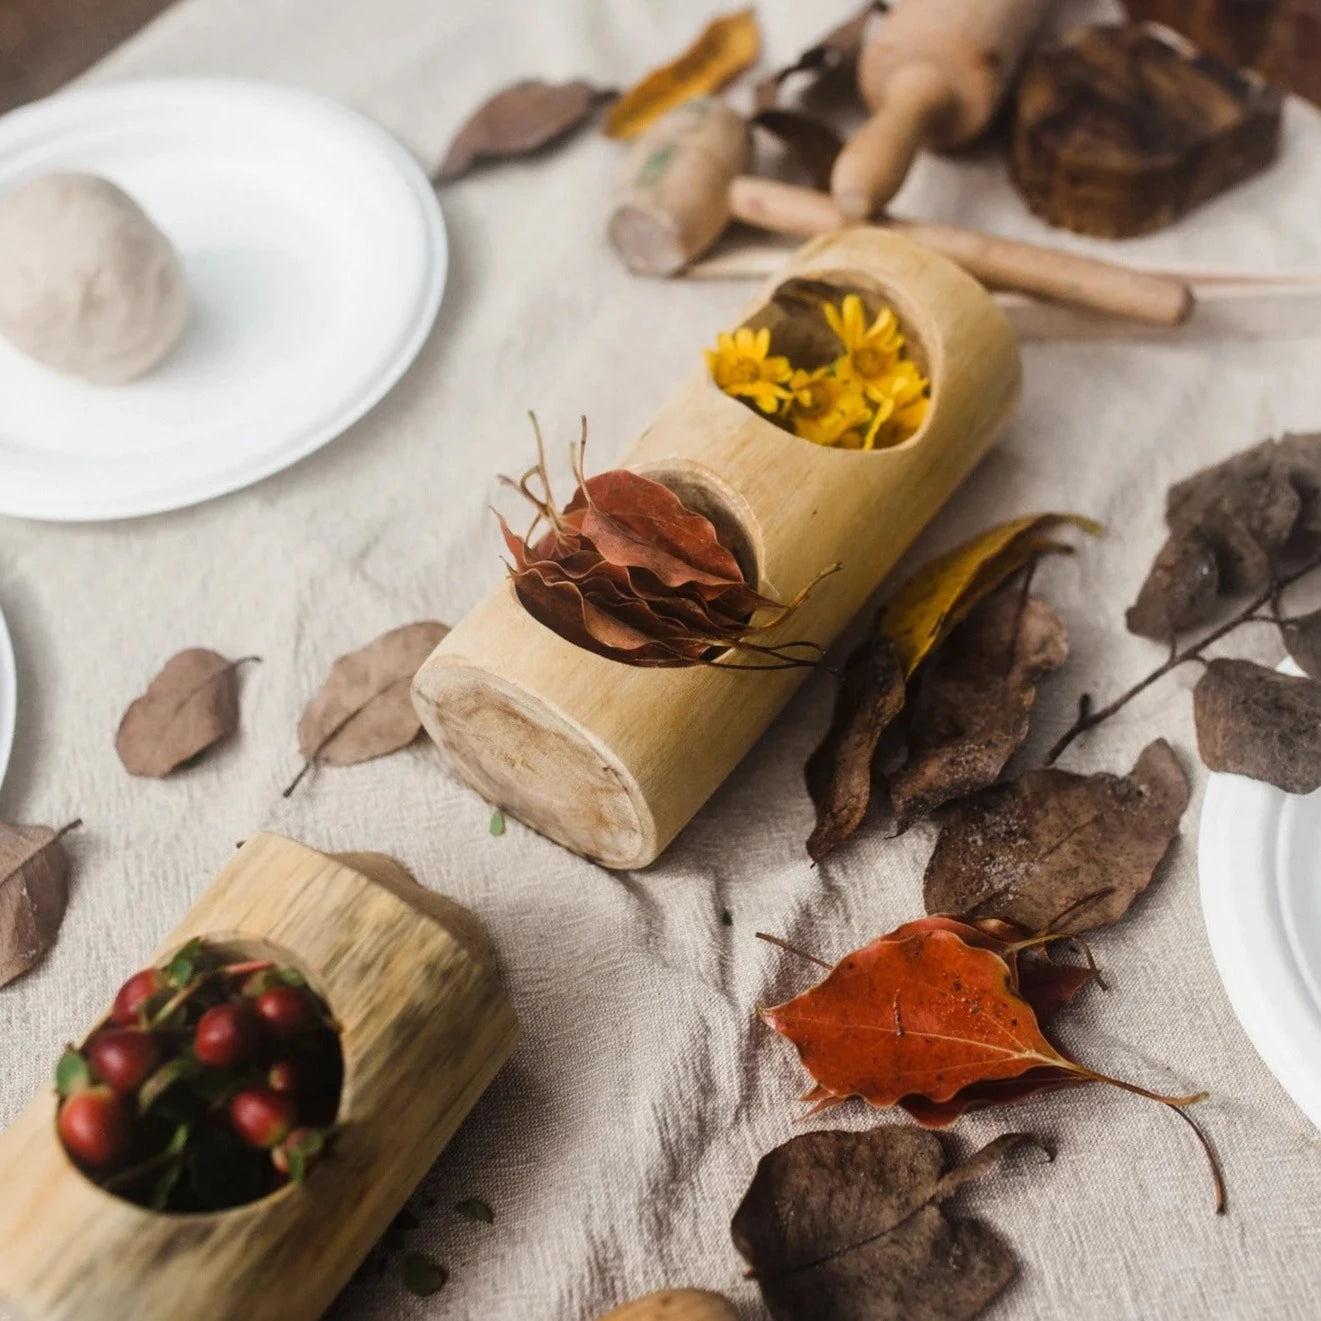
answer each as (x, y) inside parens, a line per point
(684, 182)
(934, 73)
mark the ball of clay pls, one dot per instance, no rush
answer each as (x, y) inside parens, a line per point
(88, 285)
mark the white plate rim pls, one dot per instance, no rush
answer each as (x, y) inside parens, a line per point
(1239, 845)
(8, 697)
(182, 494)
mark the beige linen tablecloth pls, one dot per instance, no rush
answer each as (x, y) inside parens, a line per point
(618, 1141)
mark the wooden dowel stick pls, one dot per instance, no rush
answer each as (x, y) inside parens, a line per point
(997, 262)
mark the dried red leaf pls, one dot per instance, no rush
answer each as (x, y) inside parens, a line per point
(628, 571)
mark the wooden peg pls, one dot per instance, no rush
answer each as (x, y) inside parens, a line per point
(933, 74)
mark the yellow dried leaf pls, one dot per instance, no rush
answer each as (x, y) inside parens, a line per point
(728, 46)
(940, 596)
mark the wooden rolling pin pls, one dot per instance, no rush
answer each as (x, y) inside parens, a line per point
(684, 182)
(934, 74)
(999, 263)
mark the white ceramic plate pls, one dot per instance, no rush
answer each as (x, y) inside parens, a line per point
(316, 255)
(1259, 856)
(8, 698)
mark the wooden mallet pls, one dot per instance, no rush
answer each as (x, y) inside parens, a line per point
(685, 181)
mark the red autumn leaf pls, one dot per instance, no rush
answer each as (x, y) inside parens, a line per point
(628, 571)
(934, 1018)
(925, 1014)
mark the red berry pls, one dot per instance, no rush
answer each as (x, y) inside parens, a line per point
(94, 1127)
(226, 1036)
(285, 1010)
(261, 1117)
(135, 993)
(305, 1141)
(283, 1077)
(124, 1057)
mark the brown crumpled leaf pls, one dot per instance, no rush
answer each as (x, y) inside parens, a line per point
(518, 120)
(364, 708)
(1302, 639)
(33, 894)
(1055, 851)
(839, 772)
(1257, 722)
(728, 45)
(973, 701)
(1231, 527)
(831, 57)
(813, 144)
(914, 624)
(843, 1226)
(190, 705)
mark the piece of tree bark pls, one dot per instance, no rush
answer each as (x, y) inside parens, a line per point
(1281, 39)
(1120, 129)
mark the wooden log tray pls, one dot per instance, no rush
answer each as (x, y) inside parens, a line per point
(424, 1027)
(612, 760)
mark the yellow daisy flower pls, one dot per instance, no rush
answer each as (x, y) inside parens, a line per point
(901, 409)
(739, 366)
(870, 352)
(823, 408)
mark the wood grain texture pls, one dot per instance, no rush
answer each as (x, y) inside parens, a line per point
(426, 1026)
(612, 760)
(1281, 39)
(675, 1305)
(1120, 129)
(44, 43)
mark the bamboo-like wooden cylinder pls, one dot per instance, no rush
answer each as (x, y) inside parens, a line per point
(425, 1027)
(612, 760)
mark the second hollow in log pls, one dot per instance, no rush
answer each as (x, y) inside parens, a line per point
(612, 760)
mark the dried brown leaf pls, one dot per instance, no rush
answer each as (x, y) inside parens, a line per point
(843, 1226)
(517, 121)
(1232, 526)
(364, 709)
(33, 895)
(1257, 722)
(726, 47)
(835, 54)
(1053, 850)
(190, 705)
(1302, 637)
(813, 144)
(973, 701)
(839, 772)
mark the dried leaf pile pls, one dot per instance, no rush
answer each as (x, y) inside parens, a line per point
(1247, 527)
(867, 394)
(959, 651)
(627, 571)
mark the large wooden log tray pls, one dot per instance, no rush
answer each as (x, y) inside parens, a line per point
(424, 1027)
(613, 760)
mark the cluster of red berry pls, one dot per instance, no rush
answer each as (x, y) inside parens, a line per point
(214, 1082)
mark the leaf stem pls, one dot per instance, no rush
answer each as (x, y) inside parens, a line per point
(1089, 718)
(792, 949)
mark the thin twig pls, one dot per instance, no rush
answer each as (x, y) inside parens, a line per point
(1091, 718)
(793, 949)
